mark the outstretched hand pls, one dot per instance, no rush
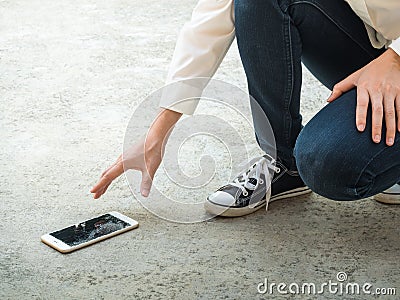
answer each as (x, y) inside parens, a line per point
(145, 159)
(378, 85)
(144, 156)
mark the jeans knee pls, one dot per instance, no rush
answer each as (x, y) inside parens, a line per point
(323, 168)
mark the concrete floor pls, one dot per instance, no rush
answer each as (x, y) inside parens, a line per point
(72, 73)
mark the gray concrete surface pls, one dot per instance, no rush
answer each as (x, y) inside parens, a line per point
(71, 73)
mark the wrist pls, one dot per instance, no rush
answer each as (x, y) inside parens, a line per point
(393, 55)
(160, 129)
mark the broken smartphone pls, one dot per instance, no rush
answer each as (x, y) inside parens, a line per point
(89, 232)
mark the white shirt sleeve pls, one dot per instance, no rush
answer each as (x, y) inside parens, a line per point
(202, 44)
(395, 45)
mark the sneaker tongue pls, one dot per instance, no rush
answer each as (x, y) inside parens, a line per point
(251, 183)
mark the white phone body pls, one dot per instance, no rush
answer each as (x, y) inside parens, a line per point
(63, 247)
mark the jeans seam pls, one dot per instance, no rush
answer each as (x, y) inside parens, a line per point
(363, 171)
(333, 21)
(289, 95)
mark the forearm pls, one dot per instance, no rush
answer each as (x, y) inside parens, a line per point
(161, 127)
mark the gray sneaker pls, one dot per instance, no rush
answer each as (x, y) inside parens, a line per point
(253, 189)
(390, 196)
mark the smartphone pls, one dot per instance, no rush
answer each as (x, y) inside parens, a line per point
(89, 232)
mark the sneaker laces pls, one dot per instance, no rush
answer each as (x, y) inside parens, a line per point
(262, 165)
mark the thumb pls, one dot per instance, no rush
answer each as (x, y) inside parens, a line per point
(343, 86)
(146, 183)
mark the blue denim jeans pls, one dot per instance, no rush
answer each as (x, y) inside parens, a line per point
(332, 157)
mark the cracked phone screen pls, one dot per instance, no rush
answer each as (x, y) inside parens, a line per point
(89, 230)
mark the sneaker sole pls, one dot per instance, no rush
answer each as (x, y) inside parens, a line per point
(387, 198)
(292, 193)
(224, 211)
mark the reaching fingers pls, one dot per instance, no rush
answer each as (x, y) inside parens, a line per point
(101, 192)
(112, 173)
(119, 159)
(362, 108)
